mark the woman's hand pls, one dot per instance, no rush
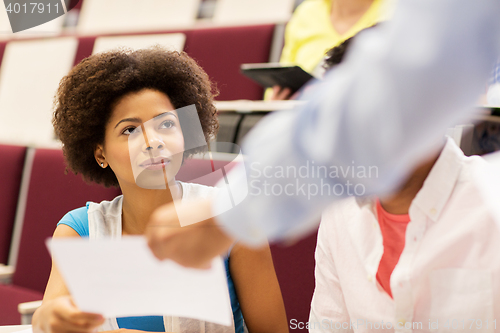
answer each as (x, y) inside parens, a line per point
(60, 315)
(280, 94)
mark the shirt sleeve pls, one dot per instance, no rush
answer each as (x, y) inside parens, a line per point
(78, 220)
(385, 107)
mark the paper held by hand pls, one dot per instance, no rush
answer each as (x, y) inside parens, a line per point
(119, 278)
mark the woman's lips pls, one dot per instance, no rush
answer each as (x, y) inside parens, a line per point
(155, 165)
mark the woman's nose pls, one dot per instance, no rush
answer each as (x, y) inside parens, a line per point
(152, 143)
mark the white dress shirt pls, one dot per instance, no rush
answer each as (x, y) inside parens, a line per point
(447, 278)
(400, 87)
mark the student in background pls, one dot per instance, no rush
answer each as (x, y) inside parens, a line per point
(318, 25)
(117, 117)
(422, 258)
(425, 258)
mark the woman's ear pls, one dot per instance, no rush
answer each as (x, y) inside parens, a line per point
(99, 156)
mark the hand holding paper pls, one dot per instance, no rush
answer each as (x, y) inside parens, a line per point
(62, 315)
(122, 278)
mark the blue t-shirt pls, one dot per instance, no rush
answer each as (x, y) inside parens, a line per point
(78, 220)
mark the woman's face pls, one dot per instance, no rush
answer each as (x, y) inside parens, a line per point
(143, 143)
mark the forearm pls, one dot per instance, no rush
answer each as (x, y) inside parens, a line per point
(392, 99)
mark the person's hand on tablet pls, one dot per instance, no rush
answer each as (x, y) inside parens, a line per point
(280, 94)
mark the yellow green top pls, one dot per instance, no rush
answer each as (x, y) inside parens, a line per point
(310, 34)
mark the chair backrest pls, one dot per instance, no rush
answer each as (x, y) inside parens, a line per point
(11, 170)
(29, 77)
(294, 267)
(119, 16)
(49, 195)
(253, 11)
(173, 42)
(221, 51)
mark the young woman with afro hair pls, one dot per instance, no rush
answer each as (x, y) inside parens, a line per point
(100, 105)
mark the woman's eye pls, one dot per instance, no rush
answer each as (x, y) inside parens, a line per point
(131, 130)
(167, 124)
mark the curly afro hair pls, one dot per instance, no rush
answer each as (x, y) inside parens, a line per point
(85, 98)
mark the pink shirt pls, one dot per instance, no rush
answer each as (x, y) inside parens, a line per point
(393, 228)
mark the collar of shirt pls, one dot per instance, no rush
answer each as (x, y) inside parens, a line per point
(440, 182)
(437, 187)
(430, 201)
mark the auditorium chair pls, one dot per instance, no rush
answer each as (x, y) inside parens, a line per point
(125, 16)
(253, 11)
(174, 42)
(47, 194)
(29, 76)
(11, 168)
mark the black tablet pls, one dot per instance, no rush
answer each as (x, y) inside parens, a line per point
(274, 74)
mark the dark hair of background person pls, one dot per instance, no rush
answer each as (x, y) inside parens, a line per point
(335, 55)
(85, 98)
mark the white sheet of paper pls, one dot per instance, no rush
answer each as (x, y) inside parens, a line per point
(118, 278)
